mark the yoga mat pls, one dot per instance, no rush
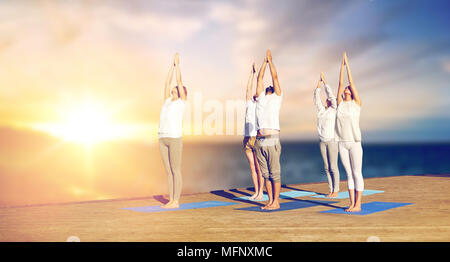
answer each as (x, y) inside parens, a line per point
(193, 205)
(295, 204)
(283, 195)
(343, 195)
(368, 208)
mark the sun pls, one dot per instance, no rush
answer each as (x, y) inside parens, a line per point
(88, 123)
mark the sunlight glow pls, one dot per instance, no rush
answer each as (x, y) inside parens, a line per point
(87, 124)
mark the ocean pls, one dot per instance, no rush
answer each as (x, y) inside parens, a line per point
(39, 169)
(301, 162)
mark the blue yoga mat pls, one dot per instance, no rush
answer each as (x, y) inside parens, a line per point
(283, 195)
(368, 208)
(193, 205)
(343, 195)
(296, 204)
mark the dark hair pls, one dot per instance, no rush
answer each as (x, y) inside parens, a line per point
(178, 90)
(348, 87)
(329, 102)
(270, 88)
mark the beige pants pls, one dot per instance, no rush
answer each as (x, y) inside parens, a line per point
(171, 151)
(268, 152)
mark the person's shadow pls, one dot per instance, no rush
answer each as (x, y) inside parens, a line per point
(161, 199)
(318, 202)
(224, 194)
(228, 195)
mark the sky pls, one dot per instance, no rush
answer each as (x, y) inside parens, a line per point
(56, 55)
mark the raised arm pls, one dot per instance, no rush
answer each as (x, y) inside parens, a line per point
(169, 81)
(328, 91)
(341, 82)
(317, 100)
(260, 81)
(250, 83)
(355, 93)
(273, 72)
(179, 82)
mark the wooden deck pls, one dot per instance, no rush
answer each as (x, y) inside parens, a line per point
(428, 219)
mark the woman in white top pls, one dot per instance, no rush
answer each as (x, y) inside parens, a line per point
(250, 138)
(326, 119)
(170, 132)
(348, 134)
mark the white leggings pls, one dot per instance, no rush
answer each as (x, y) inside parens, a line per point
(351, 154)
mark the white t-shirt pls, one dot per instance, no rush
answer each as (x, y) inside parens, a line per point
(268, 111)
(250, 118)
(171, 118)
(347, 122)
(326, 117)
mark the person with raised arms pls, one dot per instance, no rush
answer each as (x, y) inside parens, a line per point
(326, 120)
(250, 138)
(170, 133)
(268, 147)
(348, 135)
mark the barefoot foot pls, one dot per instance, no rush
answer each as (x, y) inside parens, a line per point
(266, 206)
(356, 208)
(334, 194)
(350, 208)
(167, 204)
(173, 204)
(252, 197)
(274, 206)
(259, 197)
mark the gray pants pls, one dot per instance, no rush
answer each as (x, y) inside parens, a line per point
(330, 152)
(171, 149)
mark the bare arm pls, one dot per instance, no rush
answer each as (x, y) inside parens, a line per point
(355, 93)
(168, 82)
(179, 82)
(322, 78)
(273, 72)
(260, 83)
(250, 83)
(341, 82)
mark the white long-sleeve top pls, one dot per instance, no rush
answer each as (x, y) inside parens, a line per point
(326, 117)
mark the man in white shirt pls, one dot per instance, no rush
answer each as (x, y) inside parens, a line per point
(268, 147)
(326, 120)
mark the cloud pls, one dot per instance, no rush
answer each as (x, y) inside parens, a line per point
(126, 46)
(174, 27)
(446, 65)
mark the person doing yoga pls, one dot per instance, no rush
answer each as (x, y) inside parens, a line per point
(250, 138)
(170, 133)
(348, 135)
(326, 120)
(268, 147)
